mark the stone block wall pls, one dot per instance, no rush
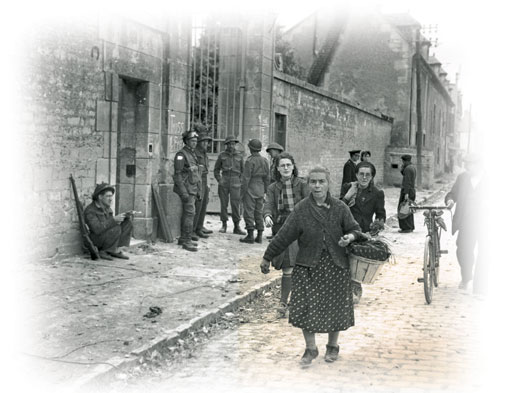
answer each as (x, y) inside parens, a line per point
(71, 78)
(321, 128)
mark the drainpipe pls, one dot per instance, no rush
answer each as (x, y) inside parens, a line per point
(242, 82)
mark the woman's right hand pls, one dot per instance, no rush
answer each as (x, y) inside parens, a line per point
(353, 190)
(265, 266)
(268, 221)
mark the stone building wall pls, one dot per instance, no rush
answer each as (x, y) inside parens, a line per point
(321, 128)
(104, 99)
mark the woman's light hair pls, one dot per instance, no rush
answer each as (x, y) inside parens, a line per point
(320, 169)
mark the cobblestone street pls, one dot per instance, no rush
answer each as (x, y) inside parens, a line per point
(399, 342)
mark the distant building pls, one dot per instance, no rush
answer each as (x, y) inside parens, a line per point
(369, 58)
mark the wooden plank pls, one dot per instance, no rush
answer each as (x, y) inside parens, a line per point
(161, 215)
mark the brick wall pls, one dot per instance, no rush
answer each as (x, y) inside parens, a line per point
(321, 128)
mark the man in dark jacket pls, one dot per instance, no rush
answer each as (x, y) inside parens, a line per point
(230, 164)
(349, 169)
(365, 201)
(255, 181)
(408, 192)
(188, 185)
(201, 204)
(467, 194)
(108, 232)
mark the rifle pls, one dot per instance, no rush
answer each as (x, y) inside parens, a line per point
(86, 240)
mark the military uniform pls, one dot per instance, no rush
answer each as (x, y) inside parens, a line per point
(228, 170)
(201, 204)
(256, 178)
(188, 185)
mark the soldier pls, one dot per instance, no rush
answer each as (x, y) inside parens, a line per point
(273, 149)
(256, 177)
(188, 185)
(230, 163)
(201, 204)
(349, 169)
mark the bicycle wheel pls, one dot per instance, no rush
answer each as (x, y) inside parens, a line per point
(428, 270)
(436, 270)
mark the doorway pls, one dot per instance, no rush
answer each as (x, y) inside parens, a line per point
(132, 121)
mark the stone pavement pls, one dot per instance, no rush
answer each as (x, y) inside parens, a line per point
(399, 343)
(82, 317)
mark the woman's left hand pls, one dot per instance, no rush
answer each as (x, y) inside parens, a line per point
(345, 240)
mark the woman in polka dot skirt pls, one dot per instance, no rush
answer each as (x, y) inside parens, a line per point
(321, 298)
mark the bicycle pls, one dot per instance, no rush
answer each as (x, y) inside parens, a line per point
(434, 222)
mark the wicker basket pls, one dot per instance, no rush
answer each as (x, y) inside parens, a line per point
(364, 270)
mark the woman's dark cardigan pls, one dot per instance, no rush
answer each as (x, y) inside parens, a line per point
(315, 231)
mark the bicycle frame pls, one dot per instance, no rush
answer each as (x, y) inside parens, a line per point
(432, 250)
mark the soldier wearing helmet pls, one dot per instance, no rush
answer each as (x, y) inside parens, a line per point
(188, 185)
(256, 177)
(273, 149)
(227, 171)
(201, 204)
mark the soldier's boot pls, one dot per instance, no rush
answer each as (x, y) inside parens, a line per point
(237, 229)
(224, 227)
(249, 238)
(182, 241)
(189, 246)
(259, 237)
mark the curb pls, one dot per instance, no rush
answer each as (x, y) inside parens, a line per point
(172, 336)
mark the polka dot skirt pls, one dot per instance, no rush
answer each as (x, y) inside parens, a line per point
(321, 298)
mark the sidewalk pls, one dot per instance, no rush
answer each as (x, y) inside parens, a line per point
(85, 318)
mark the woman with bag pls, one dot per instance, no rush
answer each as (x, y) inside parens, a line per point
(321, 298)
(287, 190)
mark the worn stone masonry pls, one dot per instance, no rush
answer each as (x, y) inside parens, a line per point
(105, 100)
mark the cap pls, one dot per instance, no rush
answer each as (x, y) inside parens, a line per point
(100, 188)
(230, 138)
(406, 157)
(255, 144)
(204, 137)
(352, 152)
(275, 146)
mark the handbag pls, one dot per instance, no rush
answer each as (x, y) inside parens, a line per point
(404, 210)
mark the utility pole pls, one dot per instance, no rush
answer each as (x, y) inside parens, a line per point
(419, 110)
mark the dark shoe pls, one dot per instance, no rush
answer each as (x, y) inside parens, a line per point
(224, 227)
(194, 238)
(270, 237)
(105, 255)
(237, 230)
(118, 255)
(405, 230)
(249, 238)
(259, 237)
(201, 235)
(180, 242)
(331, 353)
(190, 246)
(309, 355)
(206, 231)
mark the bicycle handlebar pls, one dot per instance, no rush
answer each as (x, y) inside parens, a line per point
(429, 207)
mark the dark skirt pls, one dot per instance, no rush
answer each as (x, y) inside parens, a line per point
(321, 298)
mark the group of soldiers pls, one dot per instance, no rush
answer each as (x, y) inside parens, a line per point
(240, 182)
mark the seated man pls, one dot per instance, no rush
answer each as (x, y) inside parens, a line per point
(108, 232)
